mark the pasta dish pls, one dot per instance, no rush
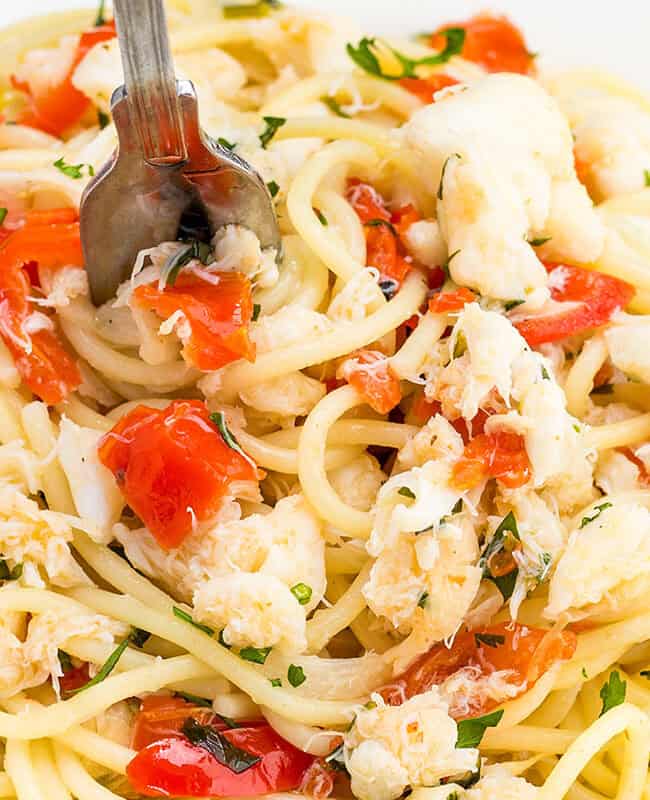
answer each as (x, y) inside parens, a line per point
(365, 518)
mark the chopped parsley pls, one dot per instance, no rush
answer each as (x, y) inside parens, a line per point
(545, 375)
(442, 178)
(510, 304)
(422, 602)
(100, 18)
(302, 593)
(334, 106)
(191, 249)
(201, 702)
(445, 266)
(460, 346)
(489, 639)
(364, 55)
(389, 288)
(139, 637)
(539, 242)
(103, 120)
(226, 753)
(296, 675)
(596, 513)
(180, 614)
(108, 666)
(257, 655)
(612, 692)
(470, 731)
(321, 217)
(545, 561)
(406, 492)
(273, 125)
(376, 223)
(259, 9)
(12, 574)
(584, 674)
(453, 796)
(507, 527)
(275, 682)
(273, 188)
(65, 661)
(226, 144)
(73, 170)
(219, 420)
(646, 177)
(256, 311)
(3, 215)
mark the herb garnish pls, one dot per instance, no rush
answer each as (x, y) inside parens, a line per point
(139, 637)
(422, 602)
(442, 178)
(470, 731)
(334, 106)
(65, 661)
(597, 512)
(321, 217)
(275, 682)
(489, 639)
(505, 583)
(100, 18)
(202, 702)
(257, 655)
(406, 492)
(218, 746)
(364, 55)
(302, 593)
(256, 312)
(192, 249)
(273, 125)
(73, 170)
(103, 120)
(445, 266)
(539, 242)
(178, 612)
(260, 9)
(376, 223)
(296, 675)
(612, 692)
(273, 188)
(12, 574)
(3, 215)
(646, 176)
(219, 420)
(510, 304)
(226, 144)
(106, 669)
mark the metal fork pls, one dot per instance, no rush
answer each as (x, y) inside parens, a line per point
(167, 179)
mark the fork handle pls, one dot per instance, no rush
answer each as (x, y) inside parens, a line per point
(149, 79)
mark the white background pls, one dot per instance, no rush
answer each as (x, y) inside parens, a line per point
(614, 35)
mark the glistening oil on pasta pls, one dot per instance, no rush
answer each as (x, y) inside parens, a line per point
(374, 520)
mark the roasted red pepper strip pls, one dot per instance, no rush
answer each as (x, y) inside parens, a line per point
(173, 466)
(446, 302)
(173, 767)
(492, 455)
(370, 373)
(591, 299)
(62, 105)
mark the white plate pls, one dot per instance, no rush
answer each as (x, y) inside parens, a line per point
(590, 33)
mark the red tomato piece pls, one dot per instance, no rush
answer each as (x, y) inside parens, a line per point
(217, 314)
(74, 678)
(384, 249)
(62, 105)
(493, 42)
(51, 240)
(172, 466)
(492, 455)
(528, 652)
(162, 716)
(403, 218)
(592, 298)
(175, 768)
(426, 88)
(318, 781)
(445, 302)
(370, 374)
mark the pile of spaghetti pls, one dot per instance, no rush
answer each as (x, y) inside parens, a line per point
(366, 517)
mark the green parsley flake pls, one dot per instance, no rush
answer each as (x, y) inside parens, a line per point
(584, 674)
(539, 242)
(103, 120)
(646, 177)
(333, 105)
(406, 492)
(612, 693)
(296, 675)
(74, 171)
(422, 602)
(226, 144)
(273, 188)
(321, 217)
(376, 223)
(3, 215)
(183, 615)
(491, 640)
(471, 731)
(100, 17)
(201, 702)
(12, 574)
(219, 420)
(257, 655)
(302, 593)
(260, 9)
(275, 682)
(256, 311)
(107, 668)
(364, 55)
(596, 513)
(442, 178)
(273, 125)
